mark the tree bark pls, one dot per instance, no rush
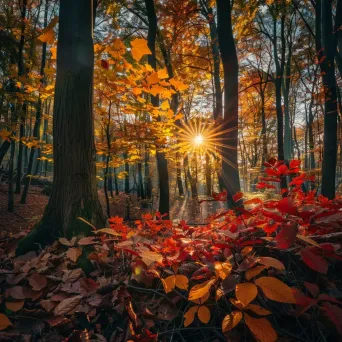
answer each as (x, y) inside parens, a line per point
(164, 192)
(74, 192)
(330, 103)
(230, 168)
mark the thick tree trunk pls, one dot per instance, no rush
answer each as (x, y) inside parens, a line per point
(164, 192)
(330, 103)
(3, 149)
(288, 148)
(74, 192)
(230, 169)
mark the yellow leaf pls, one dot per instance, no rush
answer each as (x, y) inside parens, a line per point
(252, 272)
(276, 290)
(48, 35)
(237, 303)
(219, 293)
(261, 329)
(108, 231)
(165, 105)
(203, 314)
(231, 320)
(139, 48)
(223, 269)
(15, 305)
(271, 262)
(162, 74)
(4, 322)
(182, 282)
(258, 310)
(246, 292)
(149, 257)
(307, 240)
(169, 283)
(200, 290)
(190, 315)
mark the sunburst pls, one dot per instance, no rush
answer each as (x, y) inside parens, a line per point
(202, 136)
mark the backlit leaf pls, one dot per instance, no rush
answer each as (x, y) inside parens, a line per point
(261, 329)
(246, 292)
(252, 272)
(223, 269)
(275, 289)
(182, 282)
(231, 320)
(190, 315)
(271, 262)
(139, 48)
(203, 314)
(200, 290)
(258, 310)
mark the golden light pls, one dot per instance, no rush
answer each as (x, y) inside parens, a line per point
(198, 140)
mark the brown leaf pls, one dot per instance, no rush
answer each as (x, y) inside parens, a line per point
(29, 293)
(15, 292)
(15, 305)
(67, 305)
(37, 281)
(48, 305)
(71, 275)
(74, 253)
(14, 279)
(4, 322)
(87, 241)
(66, 242)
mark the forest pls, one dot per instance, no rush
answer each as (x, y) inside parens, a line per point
(170, 170)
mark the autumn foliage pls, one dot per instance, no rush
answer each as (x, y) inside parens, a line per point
(256, 266)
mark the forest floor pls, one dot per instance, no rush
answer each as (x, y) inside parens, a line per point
(25, 216)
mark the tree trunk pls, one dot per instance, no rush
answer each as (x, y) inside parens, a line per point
(74, 192)
(164, 193)
(230, 168)
(20, 151)
(330, 103)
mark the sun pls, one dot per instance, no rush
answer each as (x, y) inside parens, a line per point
(198, 139)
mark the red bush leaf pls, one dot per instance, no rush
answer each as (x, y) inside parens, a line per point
(314, 261)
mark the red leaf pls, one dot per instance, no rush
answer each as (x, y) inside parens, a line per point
(314, 261)
(104, 64)
(294, 164)
(312, 288)
(286, 236)
(283, 169)
(286, 206)
(335, 315)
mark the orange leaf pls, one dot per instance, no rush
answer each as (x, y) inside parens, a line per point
(139, 48)
(246, 292)
(231, 320)
(271, 262)
(246, 250)
(74, 253)
(276, 290)
(190, 315)
(203, 314)
(200, 290)
(252, 272)
(169, 283)
(261, 329)
(15, 306)
(203, 299)
(182, 282)
(4, 322)
(223, 269)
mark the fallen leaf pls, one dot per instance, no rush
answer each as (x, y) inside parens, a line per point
(15, 305)
(74, 253)
(37, 281)
(67, 305)
(4, 322)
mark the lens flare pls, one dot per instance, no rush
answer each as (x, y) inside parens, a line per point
(198, 140)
